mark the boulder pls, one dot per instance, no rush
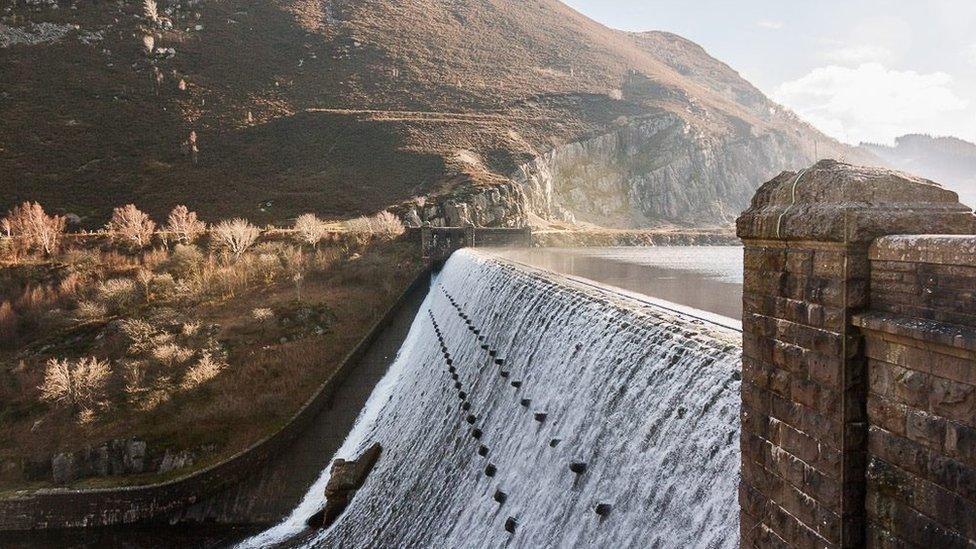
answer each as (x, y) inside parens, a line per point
(346, 479)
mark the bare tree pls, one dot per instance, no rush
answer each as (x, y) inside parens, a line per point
(150, 10)
(34, 228)
(131, 227)
(237, 235)
(79, 384)
(310, 229)
(387, 225)
(183, 226)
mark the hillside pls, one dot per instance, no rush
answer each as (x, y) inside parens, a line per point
(493, 111)
(948, 160)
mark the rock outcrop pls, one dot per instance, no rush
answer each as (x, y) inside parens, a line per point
(347, 477)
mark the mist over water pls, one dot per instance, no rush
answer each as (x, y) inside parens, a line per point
(578, 418)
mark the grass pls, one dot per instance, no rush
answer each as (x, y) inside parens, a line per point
(271, 366)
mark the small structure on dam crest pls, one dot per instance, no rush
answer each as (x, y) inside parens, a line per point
(859, 362)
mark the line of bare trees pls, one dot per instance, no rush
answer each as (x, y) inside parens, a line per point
(29, 229)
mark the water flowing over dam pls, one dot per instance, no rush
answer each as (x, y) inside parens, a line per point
(528, 409)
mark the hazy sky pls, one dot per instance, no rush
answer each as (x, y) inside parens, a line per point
(860, 70)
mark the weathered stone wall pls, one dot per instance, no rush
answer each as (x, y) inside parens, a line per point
(805, 422)
(438, 243)
(920, 344)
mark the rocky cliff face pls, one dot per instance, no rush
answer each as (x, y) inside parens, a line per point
(655, 170)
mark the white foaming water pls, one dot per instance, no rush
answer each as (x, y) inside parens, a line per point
(609, 422)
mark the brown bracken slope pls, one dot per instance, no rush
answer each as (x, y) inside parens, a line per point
(334, 106)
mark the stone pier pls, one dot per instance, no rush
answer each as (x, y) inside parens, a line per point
(807, 418)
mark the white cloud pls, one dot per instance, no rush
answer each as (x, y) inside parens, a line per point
(872, 102)
(769, 24)
(859, 54)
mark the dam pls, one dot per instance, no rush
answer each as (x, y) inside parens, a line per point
(519, 400)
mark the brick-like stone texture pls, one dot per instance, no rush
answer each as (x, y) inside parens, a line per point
(806, 367)
(803, 414)
(921, 352)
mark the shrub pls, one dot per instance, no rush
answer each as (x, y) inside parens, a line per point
(359, 226)
(78, 384)
(90, 310)
(140, 335)
(387, 225)
(35, 229)
(131, 227)
(310, 229)
(8, 323)
(183, 227)
(263, 315)
(185, 260)
(204, 370)
(117, 293)
(236, 235)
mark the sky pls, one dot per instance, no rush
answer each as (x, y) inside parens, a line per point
(859, 70)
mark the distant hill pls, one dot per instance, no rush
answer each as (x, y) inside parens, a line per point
(946, 160)
(493, 111)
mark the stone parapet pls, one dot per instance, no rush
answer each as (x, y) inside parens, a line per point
(808, 273)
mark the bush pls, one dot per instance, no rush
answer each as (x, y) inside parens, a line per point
(310, 229)
(204, 370)
(90, 310)
(387, 225)
(236, 235)
(131, 227)
(359, 226)
(77, 384)
(185, 260)
(117, 294)
(34, 229)
(183, 227)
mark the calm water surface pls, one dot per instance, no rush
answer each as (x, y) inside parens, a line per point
(708, 278)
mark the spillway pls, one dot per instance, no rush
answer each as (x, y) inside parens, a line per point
(529, 410)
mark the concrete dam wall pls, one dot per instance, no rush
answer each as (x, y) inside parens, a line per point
(527, 409)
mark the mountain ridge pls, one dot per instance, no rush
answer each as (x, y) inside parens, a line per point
(316, 116)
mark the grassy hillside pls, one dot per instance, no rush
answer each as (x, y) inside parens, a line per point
(338, 106)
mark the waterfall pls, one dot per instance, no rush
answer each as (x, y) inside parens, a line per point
(528, 409)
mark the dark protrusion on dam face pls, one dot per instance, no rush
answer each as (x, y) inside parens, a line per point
(476, 433)
(471, 419)
(526, 402)
(477, 331)
(555, 442)
(462, 395)
(510, 525)
(503, 373)
(482, 450)
(681, 412)
(484, 347)
(450, 362)
(492, 353)
(577, 467)
(346, 478)
(481, 338)
(451, 369)
(500, 361)
(539, 416)
(602, 509)
(457, 384)
(500, 497)
(466, 406)
(516, 384)
(490, 470)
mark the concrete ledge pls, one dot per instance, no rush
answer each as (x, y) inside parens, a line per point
(950, 335)
(62, 508)
(926, 248)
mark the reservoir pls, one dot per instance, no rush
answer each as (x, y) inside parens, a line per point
(708, 278)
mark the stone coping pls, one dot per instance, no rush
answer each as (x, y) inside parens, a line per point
(941, 249)
(955, 336)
